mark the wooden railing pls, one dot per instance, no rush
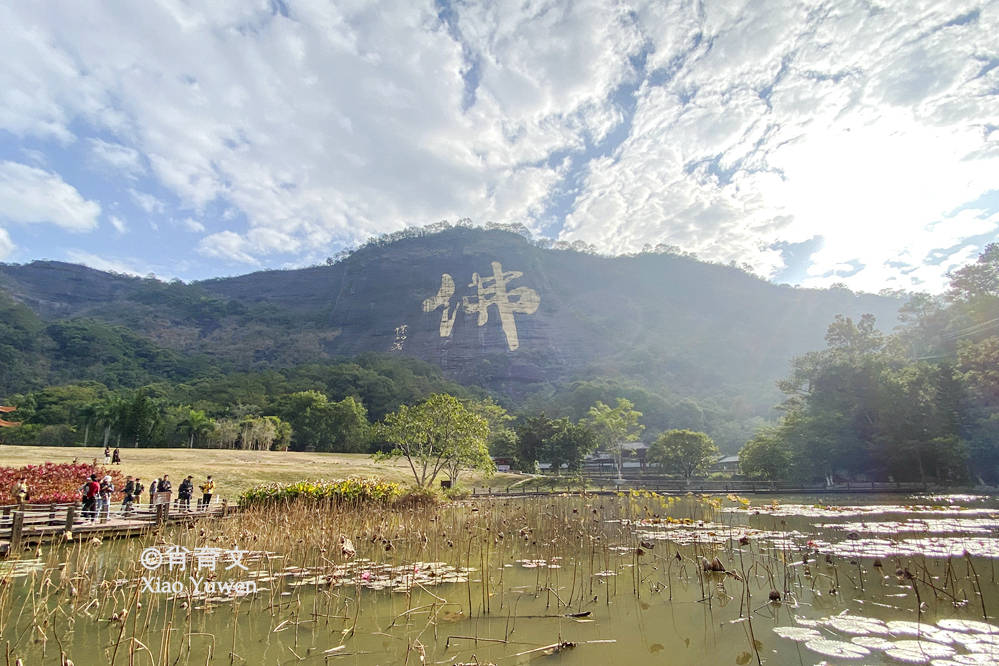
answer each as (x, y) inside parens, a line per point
(24, 523)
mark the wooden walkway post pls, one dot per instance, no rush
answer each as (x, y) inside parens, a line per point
(70, 517)
(16, 527)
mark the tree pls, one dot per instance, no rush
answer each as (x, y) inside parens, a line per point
(326, 426)
(138, 417)
(532, 433)
(439, 433)
(196, 424)
(568, 445)
(978, 280)
(765, 456)
(685, 452)
(500, 434)
(614, 426)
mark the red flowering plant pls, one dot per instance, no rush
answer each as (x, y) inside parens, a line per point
(52, 482)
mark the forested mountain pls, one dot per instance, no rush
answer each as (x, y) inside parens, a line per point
(536, 326)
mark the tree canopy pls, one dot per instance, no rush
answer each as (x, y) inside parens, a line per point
(437, 434)
(683, 452)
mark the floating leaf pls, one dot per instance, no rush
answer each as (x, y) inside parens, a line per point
(840, 649)
(929, 649)
(852, 624)
(797, 633)
(968, 625)
(872, 642)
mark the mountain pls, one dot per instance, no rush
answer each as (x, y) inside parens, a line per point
(488, 306)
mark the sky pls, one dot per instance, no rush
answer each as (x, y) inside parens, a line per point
(815, 142)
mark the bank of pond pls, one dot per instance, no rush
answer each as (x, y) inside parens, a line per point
(573, 579)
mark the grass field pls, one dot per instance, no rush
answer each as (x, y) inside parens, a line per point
(235, 471)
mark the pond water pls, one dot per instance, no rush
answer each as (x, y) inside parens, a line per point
(568, 580)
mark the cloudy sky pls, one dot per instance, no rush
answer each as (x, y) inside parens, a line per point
(839, 141)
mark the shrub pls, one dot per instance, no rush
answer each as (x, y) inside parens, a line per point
(457, 492)
(355, 491)
(52, 482)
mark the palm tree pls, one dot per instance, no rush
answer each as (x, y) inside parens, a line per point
(108, 413)
(196, 424)
(88, 413)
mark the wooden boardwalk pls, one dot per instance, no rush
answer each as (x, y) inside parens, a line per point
(29, 525)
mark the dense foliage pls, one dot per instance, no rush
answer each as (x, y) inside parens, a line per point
(353, 491)
(920, 404)
(52, 482)
(683, 452)
(437, 435)
(315, 407)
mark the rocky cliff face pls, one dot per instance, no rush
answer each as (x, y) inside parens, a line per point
(488, 306)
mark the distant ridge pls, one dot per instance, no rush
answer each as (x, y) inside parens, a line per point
(488, 306)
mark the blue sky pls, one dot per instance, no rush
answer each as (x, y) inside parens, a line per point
(814, 142)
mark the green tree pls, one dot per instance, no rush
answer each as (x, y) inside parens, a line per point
(568, 445)
(138, 418)
(766, 456)
(532, 433)
(684, 452)
(614, 426)
(437, 434)
(195, 425)
(327, 426)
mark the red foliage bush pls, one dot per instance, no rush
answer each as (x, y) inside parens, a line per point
(52, 482)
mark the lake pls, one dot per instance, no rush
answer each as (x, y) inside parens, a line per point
(559, 579)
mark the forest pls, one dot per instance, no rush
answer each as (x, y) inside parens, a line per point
(919, 404)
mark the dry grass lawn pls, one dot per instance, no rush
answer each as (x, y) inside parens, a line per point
(235, 471)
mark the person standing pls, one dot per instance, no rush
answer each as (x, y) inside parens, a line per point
(184, 493)
(107, 455)
(137, 491)
(152, 490)
(21, 491)
(207, 490)
(116, 457)
(90, 490)
(163, 489)
(104, 503)
(129, 495)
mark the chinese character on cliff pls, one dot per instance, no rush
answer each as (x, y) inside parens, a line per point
(489, 291)
(8, 424)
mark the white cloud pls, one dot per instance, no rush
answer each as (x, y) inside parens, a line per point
(868, 135)
(122, 160)
(227, 245)
(6, 244)
(31, 195)
(118, 224)
(722, 127)
(192, 225)
(146, 201)
(103, 264)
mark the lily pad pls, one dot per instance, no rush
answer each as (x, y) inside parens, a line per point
(975, 626)
(853, 624)
(872, 642)
(840, 649)
(929, 649)
(797, 633)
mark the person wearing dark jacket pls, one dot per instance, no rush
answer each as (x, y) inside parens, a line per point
(129, 495)
(184, 493)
